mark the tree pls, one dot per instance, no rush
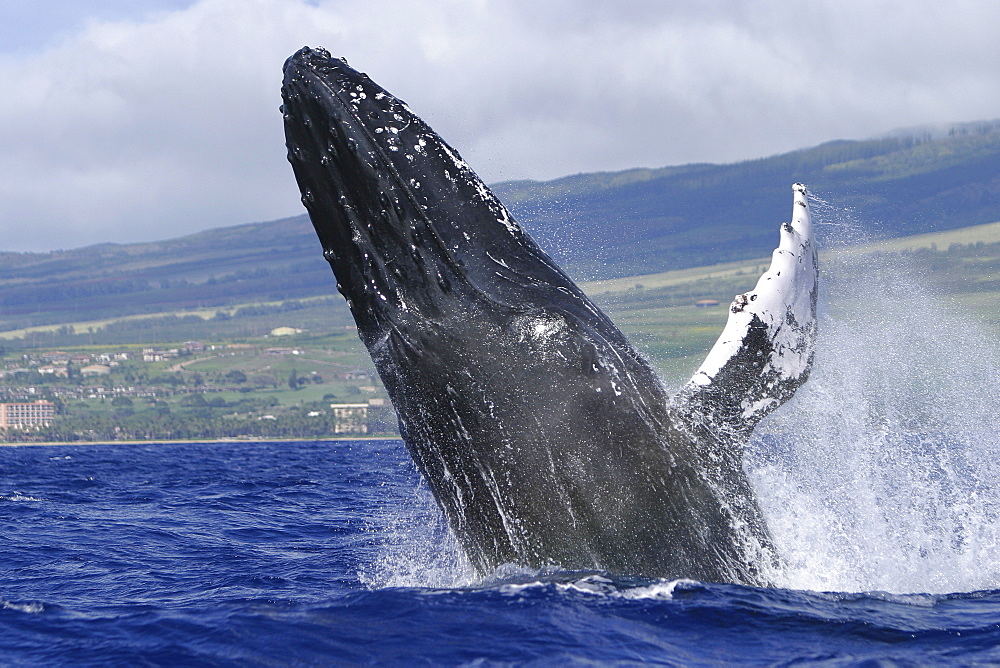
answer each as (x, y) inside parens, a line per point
(293, 380)
(196, 400)
(236, 376)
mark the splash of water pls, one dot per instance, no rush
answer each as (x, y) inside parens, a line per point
(415, 548)
(881, 473)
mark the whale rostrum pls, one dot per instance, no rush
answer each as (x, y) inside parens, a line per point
(545, 437)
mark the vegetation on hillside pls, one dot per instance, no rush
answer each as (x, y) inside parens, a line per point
(266, 386)
(658, 239)
(601, 225)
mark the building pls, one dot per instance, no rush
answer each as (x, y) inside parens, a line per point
(157, 355)
(23, 415)
(283, 351)
(353, 418)
(95, 370)
(706, 303)
(350, 418)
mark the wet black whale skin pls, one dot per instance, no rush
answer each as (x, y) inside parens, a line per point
(544, 436)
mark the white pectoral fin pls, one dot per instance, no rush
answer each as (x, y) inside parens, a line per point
(766, 349)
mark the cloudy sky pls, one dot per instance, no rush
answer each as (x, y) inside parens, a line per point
(132, 120)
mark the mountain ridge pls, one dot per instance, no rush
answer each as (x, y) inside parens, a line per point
(598, 225)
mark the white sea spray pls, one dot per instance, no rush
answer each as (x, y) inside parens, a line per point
(882, 472)
(415, 548)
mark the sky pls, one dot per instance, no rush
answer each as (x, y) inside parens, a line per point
(138, 120)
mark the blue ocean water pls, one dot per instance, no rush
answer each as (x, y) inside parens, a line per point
(318, 553)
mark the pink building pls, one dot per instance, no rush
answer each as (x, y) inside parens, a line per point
(22, 415)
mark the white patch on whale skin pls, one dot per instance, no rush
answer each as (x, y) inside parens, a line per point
(539, 329)
(543, 331)
(784, 299)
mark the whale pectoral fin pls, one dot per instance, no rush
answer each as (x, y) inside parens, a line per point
(765, 351)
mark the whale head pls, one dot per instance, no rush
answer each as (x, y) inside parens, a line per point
(403, 220)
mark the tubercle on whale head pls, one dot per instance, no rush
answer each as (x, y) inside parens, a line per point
(402, 218)
(321, 136)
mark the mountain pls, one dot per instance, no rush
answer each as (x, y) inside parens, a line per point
(647, 220)
(600, 225)
(244, 263)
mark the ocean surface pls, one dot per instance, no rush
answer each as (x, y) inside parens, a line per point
(326, 553)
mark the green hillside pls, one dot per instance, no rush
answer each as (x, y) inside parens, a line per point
(599, 226)
(655, 309)
(228, 373)
(642, 221)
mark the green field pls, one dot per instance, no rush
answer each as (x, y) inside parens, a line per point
(229, 388)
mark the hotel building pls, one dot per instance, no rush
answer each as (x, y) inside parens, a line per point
(22, 415)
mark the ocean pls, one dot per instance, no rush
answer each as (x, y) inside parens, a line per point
(332, 553)
(879, 481)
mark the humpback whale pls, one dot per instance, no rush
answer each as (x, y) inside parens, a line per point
(545, 437)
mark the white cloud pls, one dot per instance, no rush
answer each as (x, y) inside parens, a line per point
(151, 128)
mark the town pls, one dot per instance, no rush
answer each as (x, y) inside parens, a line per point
(309, 387)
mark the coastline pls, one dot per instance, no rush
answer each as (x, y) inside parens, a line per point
(206, 441)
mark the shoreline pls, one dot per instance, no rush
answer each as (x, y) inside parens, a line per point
(4, 444)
